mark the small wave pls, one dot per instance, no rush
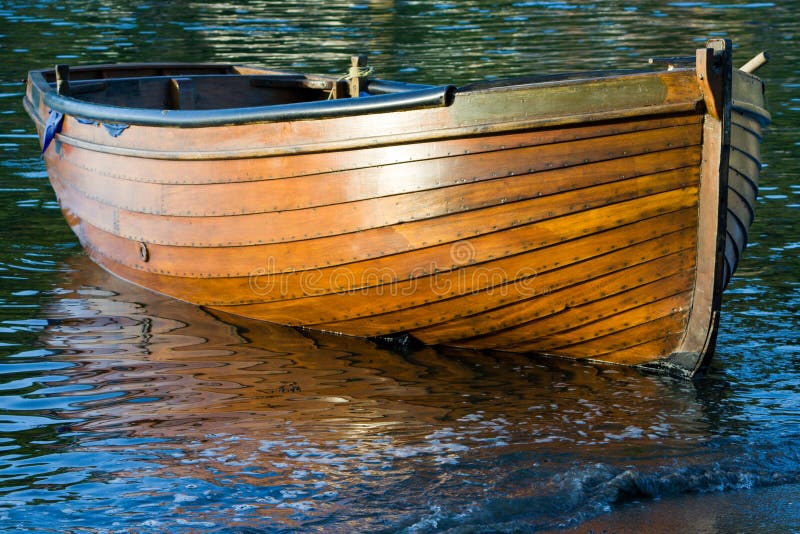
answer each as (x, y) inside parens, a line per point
(584, 492)
(598, 488)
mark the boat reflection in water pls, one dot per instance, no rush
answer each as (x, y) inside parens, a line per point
(246, 422)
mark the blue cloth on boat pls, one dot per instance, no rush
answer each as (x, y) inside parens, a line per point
(115, 129)
(54, 122)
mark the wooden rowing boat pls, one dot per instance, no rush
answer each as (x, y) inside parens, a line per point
(595, 216)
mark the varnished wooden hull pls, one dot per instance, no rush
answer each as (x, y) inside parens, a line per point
(589, 218)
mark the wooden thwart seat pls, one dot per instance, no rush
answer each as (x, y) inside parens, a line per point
(181, 93)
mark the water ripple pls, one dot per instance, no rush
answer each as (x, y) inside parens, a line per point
(125, 411)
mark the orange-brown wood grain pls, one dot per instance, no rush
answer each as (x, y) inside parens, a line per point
(618, 294)
(413, 306)
(558, 292)
(420, 229)
(655, 198)
(673, 307)
(666, 328)
(383, 180)
(587, 216)
(493, 253)
(319, 161)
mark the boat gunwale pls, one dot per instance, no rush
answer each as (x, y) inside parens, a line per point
(435, 96)
(743, 105)
(488, 128)
(420, 96)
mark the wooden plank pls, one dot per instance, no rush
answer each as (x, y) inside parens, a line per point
(745, 141)
(577, 96)
(747, 122)
(557, 294)
(745, 164)
(743, 186)
(471, 314)
(732, 253)
(399, 312)
(596, 337)
(182, 93)
(492, 253)
(280, 259)
(235, 260)
(710, 81)
(579, 310)
(665, 326)
(346, 143)
(739, 205)
(737, 231)
(647, 352)
(185, 172)
(700, 331)
(646, 156)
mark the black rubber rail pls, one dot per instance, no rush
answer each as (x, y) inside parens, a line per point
(428, 96)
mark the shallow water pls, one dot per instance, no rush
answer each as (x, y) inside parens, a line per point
(124, 411)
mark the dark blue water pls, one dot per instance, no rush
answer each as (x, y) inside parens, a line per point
(123, 411)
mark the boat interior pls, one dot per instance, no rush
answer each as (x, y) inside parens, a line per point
(190, 87)
(215, 93)
(225, 86)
